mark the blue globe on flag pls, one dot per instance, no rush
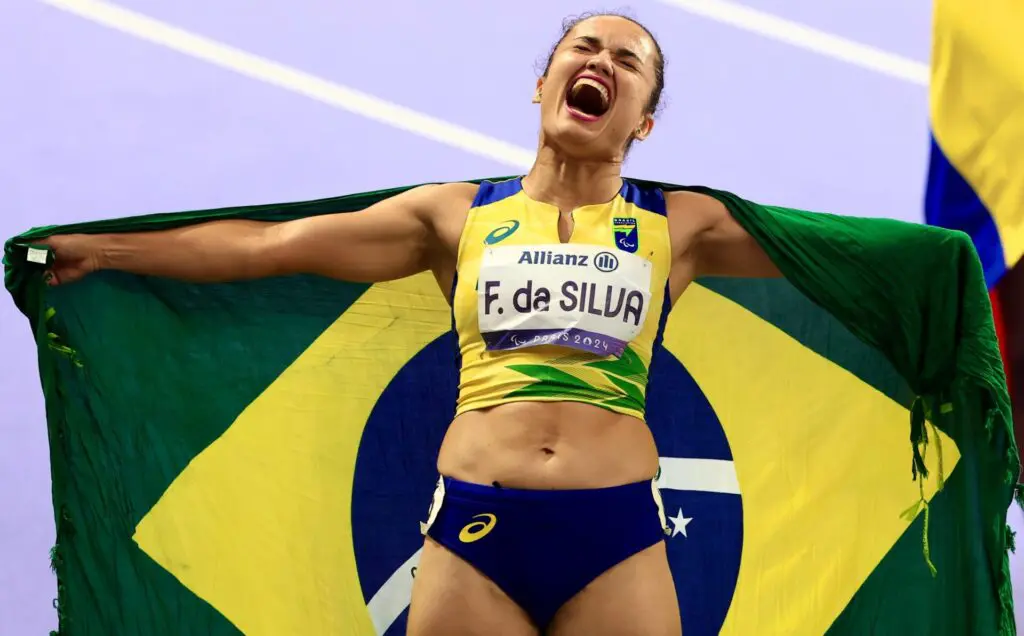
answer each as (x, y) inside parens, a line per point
(396, 473)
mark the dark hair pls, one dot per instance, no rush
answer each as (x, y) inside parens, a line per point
(654, 102)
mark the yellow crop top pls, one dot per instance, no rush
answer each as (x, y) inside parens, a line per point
(542, 320)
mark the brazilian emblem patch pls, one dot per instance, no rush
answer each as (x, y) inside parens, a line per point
(627, 238)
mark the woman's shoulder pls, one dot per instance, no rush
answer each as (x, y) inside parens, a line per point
(448, 194)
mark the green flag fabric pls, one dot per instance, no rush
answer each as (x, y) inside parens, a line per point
(255, 457)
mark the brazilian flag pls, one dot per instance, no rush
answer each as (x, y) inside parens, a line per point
(255, 457)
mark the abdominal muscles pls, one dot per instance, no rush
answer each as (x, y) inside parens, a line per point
(548, 445)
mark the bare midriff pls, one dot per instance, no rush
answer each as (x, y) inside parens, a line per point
(548, 446)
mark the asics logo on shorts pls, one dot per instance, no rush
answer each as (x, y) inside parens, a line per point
(476, 530)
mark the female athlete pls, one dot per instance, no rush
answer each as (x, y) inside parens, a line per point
(546, 517)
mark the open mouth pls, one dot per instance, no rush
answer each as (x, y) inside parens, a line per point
(588, 99)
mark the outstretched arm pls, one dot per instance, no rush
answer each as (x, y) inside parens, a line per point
(720, 246)
(389, 240)
(392, 239)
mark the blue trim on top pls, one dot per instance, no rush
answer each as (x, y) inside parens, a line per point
(652, 200)
(455, 332)
(455, 284)
(666, 308)
(490, 192)
(952, 203)
(659, 337)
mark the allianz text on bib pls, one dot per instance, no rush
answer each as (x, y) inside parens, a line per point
(587, 297)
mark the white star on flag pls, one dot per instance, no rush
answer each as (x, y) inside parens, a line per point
(680, 522)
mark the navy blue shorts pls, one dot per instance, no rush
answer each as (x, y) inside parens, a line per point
(541, 547)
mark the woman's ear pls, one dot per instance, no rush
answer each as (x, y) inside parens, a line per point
(643, 131)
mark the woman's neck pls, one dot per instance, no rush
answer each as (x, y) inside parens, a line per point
(571, 183)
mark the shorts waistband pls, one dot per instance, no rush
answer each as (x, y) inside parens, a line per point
(489, 493)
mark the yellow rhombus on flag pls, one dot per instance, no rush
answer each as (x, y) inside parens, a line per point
(256, 457)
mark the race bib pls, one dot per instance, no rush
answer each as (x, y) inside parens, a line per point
(586, 297)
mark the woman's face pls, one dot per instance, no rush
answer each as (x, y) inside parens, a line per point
(595, 94)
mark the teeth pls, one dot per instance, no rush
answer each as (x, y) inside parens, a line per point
(589, 82)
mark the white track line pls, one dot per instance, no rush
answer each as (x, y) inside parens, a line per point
(807, 38)
(297, 81)
(374, 108)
